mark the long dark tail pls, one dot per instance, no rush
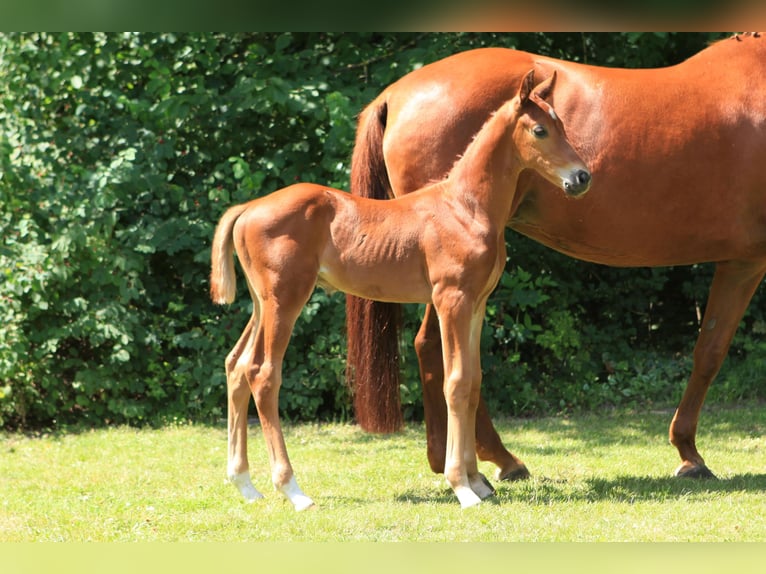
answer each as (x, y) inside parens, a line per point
(373, 369)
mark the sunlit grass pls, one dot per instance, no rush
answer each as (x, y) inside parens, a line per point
(595, 478)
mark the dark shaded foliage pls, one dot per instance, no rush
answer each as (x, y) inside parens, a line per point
(120, 151)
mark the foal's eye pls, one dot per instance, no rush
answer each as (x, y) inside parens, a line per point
(539, 131)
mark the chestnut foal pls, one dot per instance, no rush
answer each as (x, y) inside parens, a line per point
(443, 245)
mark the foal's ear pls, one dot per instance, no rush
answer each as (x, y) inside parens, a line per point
(527, 84)
(543, 90)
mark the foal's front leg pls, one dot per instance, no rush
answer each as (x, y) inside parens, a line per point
(489, 446)
(460, 324)
(479, 484)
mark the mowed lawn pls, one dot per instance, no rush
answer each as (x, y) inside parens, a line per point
(605, 477)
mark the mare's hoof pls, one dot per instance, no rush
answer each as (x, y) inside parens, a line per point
(697, 471)
(518, 473)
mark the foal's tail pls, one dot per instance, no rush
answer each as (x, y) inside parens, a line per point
(372, 327)
(223, 281)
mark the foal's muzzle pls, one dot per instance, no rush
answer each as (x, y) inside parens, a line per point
(578, 182)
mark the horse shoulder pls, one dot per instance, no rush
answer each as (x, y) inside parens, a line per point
(461, 244)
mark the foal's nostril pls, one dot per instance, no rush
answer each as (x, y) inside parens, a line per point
(583, 177)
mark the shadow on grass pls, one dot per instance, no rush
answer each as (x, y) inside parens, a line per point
(646, 488)
(622, 489)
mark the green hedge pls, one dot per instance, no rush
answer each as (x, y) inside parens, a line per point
(119, 153)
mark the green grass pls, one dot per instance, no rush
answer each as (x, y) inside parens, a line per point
(595, 478)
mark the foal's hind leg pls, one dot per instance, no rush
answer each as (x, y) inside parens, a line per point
(239, 399)
(265, 379)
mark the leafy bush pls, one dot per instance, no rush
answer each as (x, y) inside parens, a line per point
(120, 151)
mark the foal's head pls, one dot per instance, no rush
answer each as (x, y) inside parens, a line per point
(540, 140)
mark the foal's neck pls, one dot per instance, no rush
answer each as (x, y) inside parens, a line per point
(487, 173)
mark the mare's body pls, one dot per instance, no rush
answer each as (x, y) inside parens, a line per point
(677, 158)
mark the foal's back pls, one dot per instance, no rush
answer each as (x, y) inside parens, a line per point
(308, 233)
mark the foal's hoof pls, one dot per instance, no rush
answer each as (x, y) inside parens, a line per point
(483, 488)
(245, 486)
(510, 475)
(487, 484)
(295, 495)
(303, 503)
(694, 471)
(467, 497)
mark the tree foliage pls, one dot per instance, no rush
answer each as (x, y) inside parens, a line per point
(120, 151)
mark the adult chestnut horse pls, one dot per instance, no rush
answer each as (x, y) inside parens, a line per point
(442, 245)
(677, 156)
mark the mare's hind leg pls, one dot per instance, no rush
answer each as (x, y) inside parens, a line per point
(489, 447)
(278, 315)
(733, 286)
(239, 399)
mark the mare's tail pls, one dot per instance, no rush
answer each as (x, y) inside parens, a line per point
(373, 370)
(223, 281)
